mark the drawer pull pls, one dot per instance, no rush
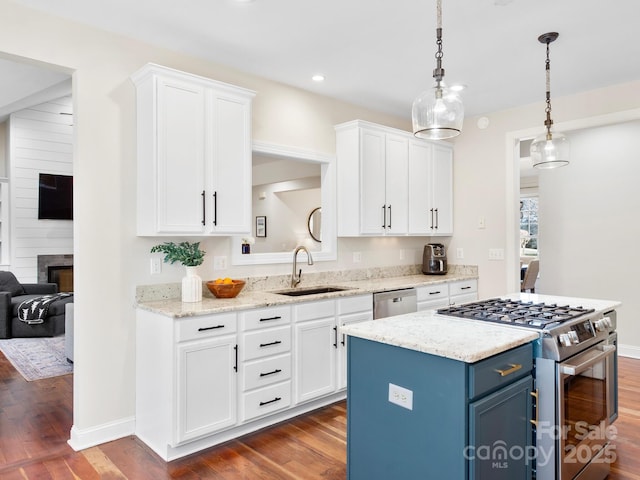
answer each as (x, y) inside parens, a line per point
(277, 342)
(270, 318)
(277, 370)
(277, 399)
(203, 329)
(465, 288)
(514, 368)
(435, 293)
(534, 394)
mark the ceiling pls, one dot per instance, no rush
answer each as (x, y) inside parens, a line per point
(380, 53)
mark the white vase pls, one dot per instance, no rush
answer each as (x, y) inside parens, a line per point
(192, 286)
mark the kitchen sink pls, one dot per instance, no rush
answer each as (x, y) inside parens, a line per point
(299, 292)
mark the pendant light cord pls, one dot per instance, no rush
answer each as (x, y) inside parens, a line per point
(548, 122)
(438, 72)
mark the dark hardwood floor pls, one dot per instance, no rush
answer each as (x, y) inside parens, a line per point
(35, 419)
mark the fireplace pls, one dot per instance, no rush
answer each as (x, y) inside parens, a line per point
(56, 269)
(61, 275)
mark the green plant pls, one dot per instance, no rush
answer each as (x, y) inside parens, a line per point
(188, 254)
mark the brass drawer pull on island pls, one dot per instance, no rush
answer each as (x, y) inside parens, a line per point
(534, 394)
(514, 368)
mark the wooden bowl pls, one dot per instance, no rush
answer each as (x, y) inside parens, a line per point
(225, 290)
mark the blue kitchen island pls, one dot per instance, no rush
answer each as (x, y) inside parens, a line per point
(434, 397)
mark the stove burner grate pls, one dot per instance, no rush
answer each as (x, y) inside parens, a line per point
(516, 312)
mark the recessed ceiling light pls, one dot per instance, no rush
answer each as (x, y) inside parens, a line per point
(245, 1)
(318, 77)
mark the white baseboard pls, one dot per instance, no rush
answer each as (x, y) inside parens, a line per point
(107, 432)
(630, 351)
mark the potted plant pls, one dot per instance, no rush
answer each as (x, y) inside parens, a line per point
(191, 256)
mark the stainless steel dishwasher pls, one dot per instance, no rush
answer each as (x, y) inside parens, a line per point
(394, 302)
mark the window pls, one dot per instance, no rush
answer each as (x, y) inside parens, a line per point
(529, 226)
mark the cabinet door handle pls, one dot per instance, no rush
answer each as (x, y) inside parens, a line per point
(389, 225)
(435, 293)
(277, 399)
(335, 337)
(204, 208)
(235, 367)
(215, 208)
(514, 368)
(277, 342)
(431, 219)
(204, 329)
(270, 318)
(534, 394)
(384, 216)
(437, 219)
(343, 340)
(277, 370)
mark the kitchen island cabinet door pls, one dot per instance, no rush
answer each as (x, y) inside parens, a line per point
(500, 434)
(206, 394)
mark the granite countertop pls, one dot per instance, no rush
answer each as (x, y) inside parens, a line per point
(462, 339)
(264, 296)
(456, 338)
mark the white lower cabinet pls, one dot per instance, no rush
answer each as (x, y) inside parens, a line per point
(432, 297)
(350, 310)
(265, 365)
(463, 291)
(320, 348)
(206, 387)
(315, 349)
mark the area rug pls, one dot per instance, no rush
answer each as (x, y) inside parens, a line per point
(37, 358)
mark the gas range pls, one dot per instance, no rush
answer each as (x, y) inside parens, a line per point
(564, 329)
(517, 312)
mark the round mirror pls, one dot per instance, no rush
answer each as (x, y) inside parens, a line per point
(314, 224)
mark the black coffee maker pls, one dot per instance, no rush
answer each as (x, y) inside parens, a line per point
(434, 259)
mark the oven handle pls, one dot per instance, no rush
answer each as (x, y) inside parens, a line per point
(606, 351)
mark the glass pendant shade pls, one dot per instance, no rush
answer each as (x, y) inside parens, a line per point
(550, 151)
(437, 113)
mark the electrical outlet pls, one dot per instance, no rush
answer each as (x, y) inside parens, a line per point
(496, 254)
(220, 263)
(401, 396)
(459, 253)
(156, 265)
(402, 254)
(482, 223)
(357, 257)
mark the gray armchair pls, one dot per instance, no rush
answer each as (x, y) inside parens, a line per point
(13, 293)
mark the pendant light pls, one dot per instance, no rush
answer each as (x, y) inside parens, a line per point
(438, 113)
(549, 150)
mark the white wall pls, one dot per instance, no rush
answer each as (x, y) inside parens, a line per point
(41, 141)
(109, 258)
(589, 227)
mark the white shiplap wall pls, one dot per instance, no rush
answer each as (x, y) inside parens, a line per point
(40, 141)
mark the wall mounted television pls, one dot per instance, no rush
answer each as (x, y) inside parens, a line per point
(55, 197)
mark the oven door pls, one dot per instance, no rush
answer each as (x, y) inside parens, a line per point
(586, 404)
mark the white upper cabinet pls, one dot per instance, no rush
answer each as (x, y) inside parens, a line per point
(430, 188)
(194, 154)
(390, 183)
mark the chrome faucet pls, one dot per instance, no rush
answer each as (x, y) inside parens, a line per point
(296, 278)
